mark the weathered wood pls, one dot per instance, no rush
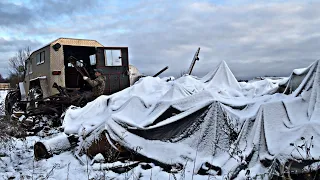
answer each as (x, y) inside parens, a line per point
(161, 71)
(195, 58)
(56, 145)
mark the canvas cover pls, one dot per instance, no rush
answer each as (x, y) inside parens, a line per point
(214, 119)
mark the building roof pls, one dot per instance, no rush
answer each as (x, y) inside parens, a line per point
(72, 42)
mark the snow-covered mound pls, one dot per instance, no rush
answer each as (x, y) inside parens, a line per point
(211, 120)
(261, 87)
(221, 77)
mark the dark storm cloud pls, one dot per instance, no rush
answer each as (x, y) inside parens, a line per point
(21, 25)
(11, 14)
(254, 39)
(14, 45)
(55, 9)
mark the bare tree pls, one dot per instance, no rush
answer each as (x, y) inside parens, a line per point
(2, 80)
(17, 65)
(18, 61)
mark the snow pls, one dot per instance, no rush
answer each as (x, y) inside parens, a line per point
(40, 77)
(255, 109)
(98, 158)
(299, 71)
(18, 163)
(192, 123)
(221, 77)
(3, 94)
(259, 88)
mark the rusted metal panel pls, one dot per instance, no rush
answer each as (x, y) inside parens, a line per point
(117, 77)
(101, 145)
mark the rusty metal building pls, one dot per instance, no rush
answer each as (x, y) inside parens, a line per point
(49, 65)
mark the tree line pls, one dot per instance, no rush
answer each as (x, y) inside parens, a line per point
(16, 67)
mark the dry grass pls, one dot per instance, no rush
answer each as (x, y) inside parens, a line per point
(13, 128)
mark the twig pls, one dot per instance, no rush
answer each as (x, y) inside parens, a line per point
(32, 168)
(49, 173)
(87, 167)
(68, 171)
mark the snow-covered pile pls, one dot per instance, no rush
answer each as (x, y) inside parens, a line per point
(212, 125)
(212, 114)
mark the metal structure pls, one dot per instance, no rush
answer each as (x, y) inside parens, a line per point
(161, 71)
(53, 75)
(195, 58)
(60, 61)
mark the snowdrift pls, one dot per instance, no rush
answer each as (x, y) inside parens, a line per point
(210, 120)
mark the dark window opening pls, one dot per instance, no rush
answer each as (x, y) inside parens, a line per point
(84, 55)
(40, 57)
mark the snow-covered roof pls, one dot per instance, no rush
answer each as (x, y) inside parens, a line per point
(72, 41)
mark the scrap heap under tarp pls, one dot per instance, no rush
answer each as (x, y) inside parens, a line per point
(214, 124)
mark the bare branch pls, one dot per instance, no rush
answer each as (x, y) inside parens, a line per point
(15, 62)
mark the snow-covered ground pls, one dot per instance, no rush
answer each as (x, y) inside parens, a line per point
(215, 125)
(17, 162)
(3, 94)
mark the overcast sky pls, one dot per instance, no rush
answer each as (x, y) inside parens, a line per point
(255, 38)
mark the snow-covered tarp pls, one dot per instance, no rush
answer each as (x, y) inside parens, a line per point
(214, 119)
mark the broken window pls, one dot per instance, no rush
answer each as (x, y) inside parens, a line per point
(93, 60)
(40, 57)
(112, 57)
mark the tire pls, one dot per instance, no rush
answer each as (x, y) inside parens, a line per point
(12, 98)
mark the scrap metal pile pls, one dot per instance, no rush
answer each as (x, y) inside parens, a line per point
(34, 108)
(39, 113)
(214, 125)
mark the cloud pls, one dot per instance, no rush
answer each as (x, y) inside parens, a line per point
(203, 6)
(16, 44)
(12, 14)
(54, 10)
(247, 37)
(255, 39)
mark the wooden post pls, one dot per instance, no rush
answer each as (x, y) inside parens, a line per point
(195, 58)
